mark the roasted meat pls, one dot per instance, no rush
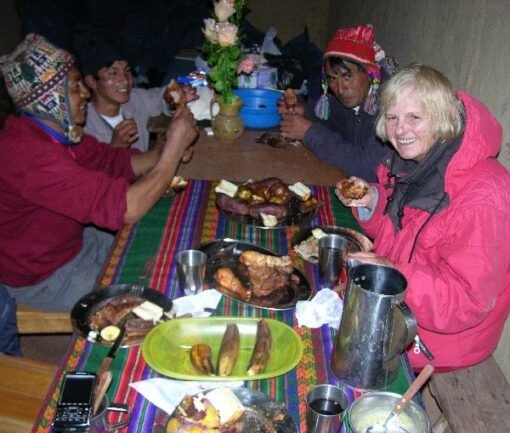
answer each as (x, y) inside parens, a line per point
(113, 311)
(353, 189)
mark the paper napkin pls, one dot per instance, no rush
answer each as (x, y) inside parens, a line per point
(197, 305)
(167, 393)
(325, 307)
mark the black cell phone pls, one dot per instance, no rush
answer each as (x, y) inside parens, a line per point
(74, 407)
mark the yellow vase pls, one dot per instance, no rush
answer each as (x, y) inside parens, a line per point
(227, 125)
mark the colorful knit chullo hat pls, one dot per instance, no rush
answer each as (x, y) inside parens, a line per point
(356, 44)
(35, 75)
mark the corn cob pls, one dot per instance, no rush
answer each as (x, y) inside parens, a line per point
(262, 350)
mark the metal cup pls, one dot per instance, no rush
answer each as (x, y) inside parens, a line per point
(191, 271)
(332, 252)
(325, 406)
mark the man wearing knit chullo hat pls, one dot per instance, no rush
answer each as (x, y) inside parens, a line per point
(58, 184)
(339, 127)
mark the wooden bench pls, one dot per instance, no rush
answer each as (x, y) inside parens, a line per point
(474, 399)
(32, 321)
(23, 387)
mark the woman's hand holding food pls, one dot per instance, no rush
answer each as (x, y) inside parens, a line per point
(356, 192)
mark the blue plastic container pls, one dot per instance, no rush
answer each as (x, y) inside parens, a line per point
(259, 108)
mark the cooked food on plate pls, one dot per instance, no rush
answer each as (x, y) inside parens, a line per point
(201, 353)
(201, 358)
(308, 247)
(262, 350)
(265, 276)
(229, 350)
(268, 200)
(143, 316)
(354, 189)
(214, 411)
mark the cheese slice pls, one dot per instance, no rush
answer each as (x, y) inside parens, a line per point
(301, 190)
(148, 311)
(268, 220)
(318, 233)
(226, 187)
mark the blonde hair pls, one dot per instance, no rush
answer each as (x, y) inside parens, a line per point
(436, 93)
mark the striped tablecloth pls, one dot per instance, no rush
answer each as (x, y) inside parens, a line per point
(186, 221)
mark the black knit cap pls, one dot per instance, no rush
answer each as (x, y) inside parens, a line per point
(95, 47)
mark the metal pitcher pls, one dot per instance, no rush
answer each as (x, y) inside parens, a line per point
(376, 327)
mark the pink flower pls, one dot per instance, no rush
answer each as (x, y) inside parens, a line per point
(224, 9)
(247, 65)
(227, 34)
(210, 30)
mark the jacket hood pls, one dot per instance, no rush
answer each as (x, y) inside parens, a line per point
(482, 137)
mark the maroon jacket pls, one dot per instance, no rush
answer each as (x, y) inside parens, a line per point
(48, 192)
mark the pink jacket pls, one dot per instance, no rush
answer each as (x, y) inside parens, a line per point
(459, 274)
(48, 192)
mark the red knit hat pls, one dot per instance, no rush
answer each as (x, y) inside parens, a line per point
(356, 43)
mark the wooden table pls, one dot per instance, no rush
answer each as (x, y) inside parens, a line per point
(244, 159)
(185, 221)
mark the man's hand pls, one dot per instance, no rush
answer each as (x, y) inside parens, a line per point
(294, 126)
(124, 134)
(181, 133)
(190, 93)
(284, 108)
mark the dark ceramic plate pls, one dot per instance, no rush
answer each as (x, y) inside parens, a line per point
(226, 252)
(262, 415)
(357, 241)
(93, 301)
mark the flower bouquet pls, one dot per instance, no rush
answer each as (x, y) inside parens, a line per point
(222, 46)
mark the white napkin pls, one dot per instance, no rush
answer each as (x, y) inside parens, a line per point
(195, 304)
(325, 307)
(201, 107)
(167, 394)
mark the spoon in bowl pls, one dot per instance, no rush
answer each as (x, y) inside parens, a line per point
(402, 403)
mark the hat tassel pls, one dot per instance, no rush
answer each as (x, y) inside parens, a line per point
(322, 106)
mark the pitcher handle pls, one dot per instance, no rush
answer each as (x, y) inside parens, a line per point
(211, 105)
(410, 322)
(118, 407)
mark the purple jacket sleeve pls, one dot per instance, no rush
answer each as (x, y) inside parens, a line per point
(346, 140)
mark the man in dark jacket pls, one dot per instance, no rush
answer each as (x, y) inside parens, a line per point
(339, 127)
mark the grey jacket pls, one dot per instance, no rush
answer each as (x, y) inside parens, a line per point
(142, 104)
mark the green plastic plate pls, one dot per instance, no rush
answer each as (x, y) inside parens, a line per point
(166, 348)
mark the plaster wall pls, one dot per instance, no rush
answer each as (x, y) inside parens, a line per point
(291, 16)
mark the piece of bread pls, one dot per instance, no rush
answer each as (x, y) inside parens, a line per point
(353, 189)
(227, 404)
